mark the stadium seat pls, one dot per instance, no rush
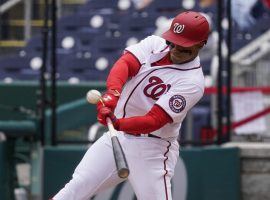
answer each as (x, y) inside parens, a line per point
(139, 21)
(13, 63)
(35, 44)
(101, 4)
(23, 68)
(206, 66)
(66, 44)
(73, 63)
(110, 44)
(205, 101)
(201, 118)
(165, 6)
(85, 38)
(76, 22)
(94, 67)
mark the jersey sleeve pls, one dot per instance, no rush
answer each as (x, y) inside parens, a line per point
(146, 47)
(179, 100)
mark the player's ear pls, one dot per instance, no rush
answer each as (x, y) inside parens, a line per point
(201, 45)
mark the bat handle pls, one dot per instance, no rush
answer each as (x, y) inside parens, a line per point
(110, 127)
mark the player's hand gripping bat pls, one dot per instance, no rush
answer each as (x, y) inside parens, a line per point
(93, 97)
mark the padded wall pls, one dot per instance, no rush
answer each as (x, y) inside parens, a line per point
(25, 94)
(213, 172)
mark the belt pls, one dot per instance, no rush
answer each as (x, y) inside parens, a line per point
(147, 135)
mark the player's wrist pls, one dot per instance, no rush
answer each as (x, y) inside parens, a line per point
(114, 92)
(115, 122)
(110, 98)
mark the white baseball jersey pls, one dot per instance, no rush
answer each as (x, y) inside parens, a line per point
(175, 88)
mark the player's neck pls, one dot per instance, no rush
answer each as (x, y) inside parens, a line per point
(182, 59)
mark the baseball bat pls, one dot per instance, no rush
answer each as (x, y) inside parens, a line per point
(119, 155)
(93, 96)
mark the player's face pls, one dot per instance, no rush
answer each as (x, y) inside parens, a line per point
(181, 54)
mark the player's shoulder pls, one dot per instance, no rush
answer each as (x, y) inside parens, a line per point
(193, 75)
(156, 43)
(155, 39)
(196, 80)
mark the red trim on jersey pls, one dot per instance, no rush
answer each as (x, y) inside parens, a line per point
(153, 120)
(165, 169)
(125, 67)
(165, 48)
(164, 112)
(166, 60)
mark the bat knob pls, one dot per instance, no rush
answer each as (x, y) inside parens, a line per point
(123, 173)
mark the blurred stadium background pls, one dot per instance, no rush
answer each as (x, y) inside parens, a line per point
(53, 51)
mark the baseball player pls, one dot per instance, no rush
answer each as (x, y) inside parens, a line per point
(150, 89)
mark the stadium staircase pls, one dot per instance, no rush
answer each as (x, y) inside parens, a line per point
(12, 23)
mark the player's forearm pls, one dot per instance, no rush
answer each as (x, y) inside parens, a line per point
(139, 124)
(153, 120)
(126, 67)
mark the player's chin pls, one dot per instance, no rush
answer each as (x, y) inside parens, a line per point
(179, 58)
(181, 54)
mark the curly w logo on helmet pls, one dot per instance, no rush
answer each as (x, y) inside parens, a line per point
(178, 28)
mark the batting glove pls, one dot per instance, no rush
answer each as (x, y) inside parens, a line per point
(105, 112)
(109, 99)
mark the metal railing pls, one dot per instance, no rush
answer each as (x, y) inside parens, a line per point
(27, 14)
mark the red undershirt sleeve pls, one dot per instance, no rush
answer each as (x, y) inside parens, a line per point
(125, 67)
(153, 120)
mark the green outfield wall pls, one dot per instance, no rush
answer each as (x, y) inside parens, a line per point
(6, 171)
(73, 111)
(213, 173)
(26, 93)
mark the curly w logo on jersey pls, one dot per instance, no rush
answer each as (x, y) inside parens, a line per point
(156, 88)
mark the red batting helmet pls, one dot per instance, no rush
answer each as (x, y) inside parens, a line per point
(187, 29)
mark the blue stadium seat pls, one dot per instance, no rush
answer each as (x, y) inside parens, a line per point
(20, 68)
(73, 66)
(101, 4)
(139, 22)
(104, 61)
(205, 101)
(94, 75)
(110, 44)
(206, 66)
(34, 44)
(165, 6)
(94, 67)
(73, 63)
(22, 76)
(201, 118)
(86, 39)
(66, 43)
(14, 63)
(76, 22)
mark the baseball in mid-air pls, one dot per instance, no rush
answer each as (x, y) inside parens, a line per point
(93, 96)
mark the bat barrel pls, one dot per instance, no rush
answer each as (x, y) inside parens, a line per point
(120, 159)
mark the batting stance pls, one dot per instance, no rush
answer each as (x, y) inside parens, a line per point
(150, 89)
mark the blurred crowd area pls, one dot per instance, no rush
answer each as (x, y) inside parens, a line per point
(92, 34)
